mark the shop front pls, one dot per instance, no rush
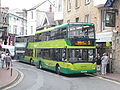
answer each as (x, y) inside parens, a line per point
(104, 45)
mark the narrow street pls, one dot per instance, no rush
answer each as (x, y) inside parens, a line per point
(66, 36)
(36, 79)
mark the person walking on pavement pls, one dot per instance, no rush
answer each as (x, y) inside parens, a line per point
(8, 60)
(3, 59)
(104, 63)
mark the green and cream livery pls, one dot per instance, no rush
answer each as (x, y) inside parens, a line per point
(68, 48)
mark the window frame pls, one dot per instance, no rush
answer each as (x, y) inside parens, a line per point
(69, 5)
(77, 4)
(87, 18)
(87, 2)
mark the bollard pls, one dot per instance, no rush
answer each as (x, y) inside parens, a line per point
(11, 70)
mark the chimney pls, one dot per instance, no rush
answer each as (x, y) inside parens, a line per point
(50, 9)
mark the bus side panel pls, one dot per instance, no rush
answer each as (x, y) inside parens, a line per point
(69, 68)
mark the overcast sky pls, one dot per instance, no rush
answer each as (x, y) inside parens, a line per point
(21, 4)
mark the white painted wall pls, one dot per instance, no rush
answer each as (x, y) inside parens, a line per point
(33, 22)
(40, 18)
(18, 21)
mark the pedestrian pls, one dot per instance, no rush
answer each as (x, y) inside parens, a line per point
(98, 62)
(8, 60)
(104, 63)
(3, 59)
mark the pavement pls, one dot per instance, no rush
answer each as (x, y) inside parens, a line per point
(7, 79)
(110, 76)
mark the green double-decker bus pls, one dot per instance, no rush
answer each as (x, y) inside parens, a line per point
(69, 48)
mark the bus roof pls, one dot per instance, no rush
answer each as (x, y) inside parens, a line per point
(62, 26)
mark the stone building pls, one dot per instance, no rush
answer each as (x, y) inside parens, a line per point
(97, 12)
(116, 39)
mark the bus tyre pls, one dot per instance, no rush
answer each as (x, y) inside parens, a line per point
(58, 69)
(31, 61)
(40, 65)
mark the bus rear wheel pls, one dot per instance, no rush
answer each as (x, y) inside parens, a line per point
(40, 65)
(58, 69)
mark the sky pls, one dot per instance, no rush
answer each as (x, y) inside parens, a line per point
(21, 4)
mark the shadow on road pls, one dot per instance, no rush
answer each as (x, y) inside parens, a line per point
(70, 75)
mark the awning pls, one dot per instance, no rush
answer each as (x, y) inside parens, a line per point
(104, 37)
(20, 45)
(109, 3)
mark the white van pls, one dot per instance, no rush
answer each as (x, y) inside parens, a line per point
(9, 49)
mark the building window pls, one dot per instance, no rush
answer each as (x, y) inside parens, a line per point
(87, 2)
(77, 3)
(87, 18)
(14, 20)
(110, 18)
(69, 5)
(5, 20)
(31, 29)
(77, 19)
(103, 19)
(10, 29)
(15, 29)
(31, 14)
(22, 31)
(60, 6)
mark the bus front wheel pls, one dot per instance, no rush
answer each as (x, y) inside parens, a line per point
(31, 60)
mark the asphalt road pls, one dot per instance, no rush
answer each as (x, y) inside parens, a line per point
(36, 79)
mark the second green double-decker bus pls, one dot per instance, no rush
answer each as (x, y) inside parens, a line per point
(68, 48)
